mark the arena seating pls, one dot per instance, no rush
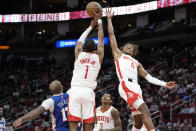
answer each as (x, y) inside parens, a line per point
(22, 75)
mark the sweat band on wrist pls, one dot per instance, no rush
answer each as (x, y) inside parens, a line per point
(85, 34)
(99, 21)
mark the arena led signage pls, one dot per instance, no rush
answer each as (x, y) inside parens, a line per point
(72, 43)
(170, 3)
(65, 16)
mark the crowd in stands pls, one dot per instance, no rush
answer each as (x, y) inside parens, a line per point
(20, 77)
(24, 83)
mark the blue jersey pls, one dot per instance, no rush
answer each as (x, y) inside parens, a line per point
(60, 111)
(58, 106)
(2, 124)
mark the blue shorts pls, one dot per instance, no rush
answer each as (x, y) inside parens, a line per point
(62, 129)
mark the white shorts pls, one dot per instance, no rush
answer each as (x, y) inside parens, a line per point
(132, 95)
(81, 104)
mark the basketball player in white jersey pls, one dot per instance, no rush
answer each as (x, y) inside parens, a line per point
(127, 70)
(107, 117)
(87, 64)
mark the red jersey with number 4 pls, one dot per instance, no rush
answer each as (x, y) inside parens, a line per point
(86, 69)
(126, 67)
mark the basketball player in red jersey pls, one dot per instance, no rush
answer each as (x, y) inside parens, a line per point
(107, 117)
(128, 69)
(87, 64)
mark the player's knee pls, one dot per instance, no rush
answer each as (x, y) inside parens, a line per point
(147, 113)
(144, 110)
(138, 121)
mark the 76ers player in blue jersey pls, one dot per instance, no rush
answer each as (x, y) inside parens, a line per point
(57, 105)
(2, 120)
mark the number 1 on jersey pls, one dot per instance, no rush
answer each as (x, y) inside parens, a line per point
(86, 72)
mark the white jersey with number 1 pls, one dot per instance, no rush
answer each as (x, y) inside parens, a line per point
(86, 69)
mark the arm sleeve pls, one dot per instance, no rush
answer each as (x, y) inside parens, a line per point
(85, 34)
(48, 104)
(155, 81)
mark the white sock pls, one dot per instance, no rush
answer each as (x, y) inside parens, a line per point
(152, 130)
(135, 129)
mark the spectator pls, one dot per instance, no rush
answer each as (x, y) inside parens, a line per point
(37, 128)
(186, 126)
(192, 107)
(182, 90)
(177, 125)
(6, 107)
(170, 125)
(154, 107)
(161, 124)
(9, 127)
(184, 110)
(163, 102)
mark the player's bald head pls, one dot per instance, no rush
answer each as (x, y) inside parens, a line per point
(56, 87)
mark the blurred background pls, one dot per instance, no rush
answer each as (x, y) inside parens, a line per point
(37, 40)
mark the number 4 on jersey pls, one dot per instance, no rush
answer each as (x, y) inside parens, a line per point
(132, 65)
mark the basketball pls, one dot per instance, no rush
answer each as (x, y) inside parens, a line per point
(92, 6)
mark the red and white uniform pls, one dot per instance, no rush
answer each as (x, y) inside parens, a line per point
(129, 90)
(86, 69)
(82, 96)
(104, 119)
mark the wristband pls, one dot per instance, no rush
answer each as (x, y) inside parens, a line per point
(99, 21)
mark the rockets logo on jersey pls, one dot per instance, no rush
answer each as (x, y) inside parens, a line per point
(103, 118)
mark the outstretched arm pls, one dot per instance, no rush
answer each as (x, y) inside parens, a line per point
(100, 46)
(113, 43)
(82, 38)
(29, 116)
(143, 73)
